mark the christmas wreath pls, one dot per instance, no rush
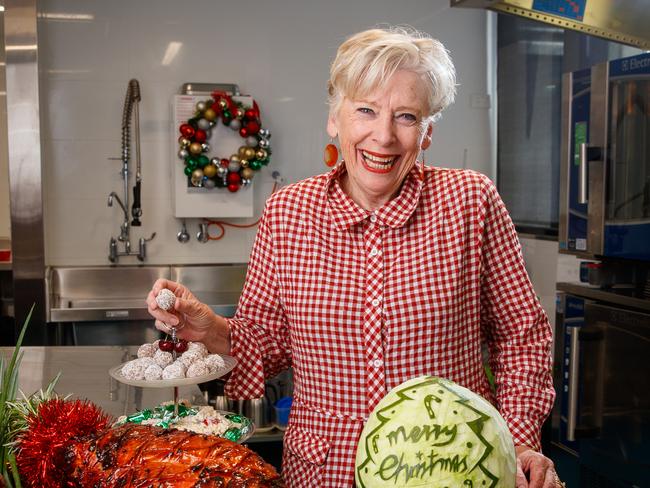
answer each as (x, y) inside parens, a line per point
(237, 170)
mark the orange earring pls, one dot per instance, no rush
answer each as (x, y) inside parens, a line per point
(331, 154)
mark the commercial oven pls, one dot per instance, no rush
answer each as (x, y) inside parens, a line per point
(602, 377)
(605, 162)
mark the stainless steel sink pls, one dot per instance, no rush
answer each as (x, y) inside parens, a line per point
(100, 294)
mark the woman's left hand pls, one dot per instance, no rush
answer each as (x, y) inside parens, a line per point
(534, 470)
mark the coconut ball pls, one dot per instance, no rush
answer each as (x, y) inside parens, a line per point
(146, 351)
(174, 371)
(198, 368)
(163, 358)
(166, 299)
(153, 372)
(134, 370)
(197, 347)
(214, 362)
(189, 357)
(147, 361)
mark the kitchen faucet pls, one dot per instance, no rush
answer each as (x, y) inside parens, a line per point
(124, 228)
(113, 253)
(131, 101)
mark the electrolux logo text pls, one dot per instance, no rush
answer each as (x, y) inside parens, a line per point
(633, 64)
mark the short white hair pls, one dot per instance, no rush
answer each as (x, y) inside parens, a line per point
(367, 59)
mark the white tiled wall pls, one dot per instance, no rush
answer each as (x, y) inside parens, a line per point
(277, 51)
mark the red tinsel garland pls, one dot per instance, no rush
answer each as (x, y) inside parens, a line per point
(41, 448)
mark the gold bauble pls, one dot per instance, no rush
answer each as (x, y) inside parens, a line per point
(223, 103)
(242, 152)
(261, 154)
(235, 158)
(239, 113)
(197, 177)
(246, 173)
(249, 153)
(196, 148)
(210, 170)
(244, 163)
(209, 114)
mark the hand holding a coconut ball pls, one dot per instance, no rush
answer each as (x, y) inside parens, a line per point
(173, 305)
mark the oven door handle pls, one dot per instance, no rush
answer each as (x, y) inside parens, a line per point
(574, 368)
(587, 153)
(583, 194)
(578, 336)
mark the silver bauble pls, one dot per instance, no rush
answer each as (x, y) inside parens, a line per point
(209, 183)
(184, 142)
(264, 133)
(215, 161)
(264, 143)
(201, 106)
(251, 141)
(245, 181)
(222, 171)
(235, 124)
(234, 166)
(203, 124)
(205, 147)
(183, 153)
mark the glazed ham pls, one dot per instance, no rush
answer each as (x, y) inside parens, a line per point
(143, 456)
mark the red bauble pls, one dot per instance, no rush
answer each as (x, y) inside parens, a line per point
(225, 162)
(253, 127)
(187, 130)
(251, 114)
(233, 187)
(42, 447)
(330, 155)
(243, 132)
(200, 135)
(234, 178)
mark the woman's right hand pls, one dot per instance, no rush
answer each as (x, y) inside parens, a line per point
(194, 320)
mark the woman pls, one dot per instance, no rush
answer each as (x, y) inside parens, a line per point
(380, 271)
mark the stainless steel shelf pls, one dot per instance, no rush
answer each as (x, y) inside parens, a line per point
(586, 291)
(275, 435)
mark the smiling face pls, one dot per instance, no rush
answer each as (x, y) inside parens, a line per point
(381, 135)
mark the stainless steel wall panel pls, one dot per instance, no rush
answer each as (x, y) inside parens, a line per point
(25, 169)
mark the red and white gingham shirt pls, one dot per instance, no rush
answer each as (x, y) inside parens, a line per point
(359, 302)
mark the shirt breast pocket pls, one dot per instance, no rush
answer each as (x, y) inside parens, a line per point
(305, 456)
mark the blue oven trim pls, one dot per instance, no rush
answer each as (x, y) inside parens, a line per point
(629, 241)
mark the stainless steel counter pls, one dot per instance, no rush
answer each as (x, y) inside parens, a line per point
(84, 374)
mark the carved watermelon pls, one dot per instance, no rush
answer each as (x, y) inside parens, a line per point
(432, 432)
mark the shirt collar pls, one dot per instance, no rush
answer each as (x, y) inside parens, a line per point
(395, 213)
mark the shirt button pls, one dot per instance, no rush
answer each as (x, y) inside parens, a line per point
(373, 218)
(375, 302)
(374, 251)
(376, 363)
